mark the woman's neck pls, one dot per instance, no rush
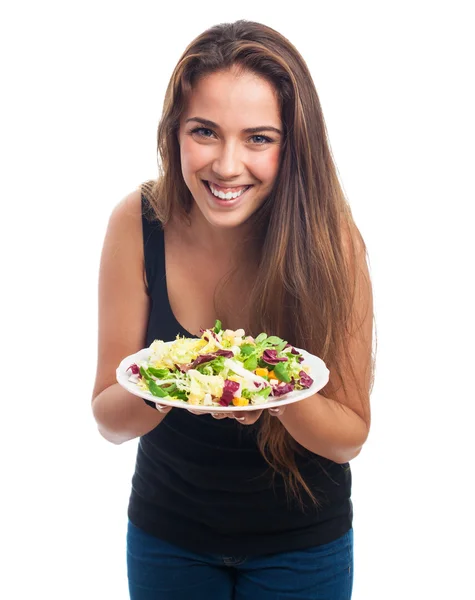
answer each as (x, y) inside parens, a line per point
(215, 241)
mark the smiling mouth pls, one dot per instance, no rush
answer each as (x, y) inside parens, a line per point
(229, 195)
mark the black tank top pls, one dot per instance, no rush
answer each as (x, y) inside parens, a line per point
(202, 484)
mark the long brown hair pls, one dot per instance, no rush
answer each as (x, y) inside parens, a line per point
(304, 290)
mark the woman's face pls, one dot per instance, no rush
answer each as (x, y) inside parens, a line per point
(230, 139)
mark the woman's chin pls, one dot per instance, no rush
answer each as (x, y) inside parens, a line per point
(229, 221)
(225, 219)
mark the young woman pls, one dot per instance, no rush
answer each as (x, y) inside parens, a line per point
(247, 223)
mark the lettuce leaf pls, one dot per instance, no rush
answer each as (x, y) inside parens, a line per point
(251, 362)
(281, 369)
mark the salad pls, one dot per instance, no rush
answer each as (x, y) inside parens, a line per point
(221, 368)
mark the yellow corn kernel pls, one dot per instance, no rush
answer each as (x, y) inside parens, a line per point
(240, 401)
(262, 372)
(272, 375)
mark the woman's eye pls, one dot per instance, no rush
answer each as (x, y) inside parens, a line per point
(261, 139)
(203, 132)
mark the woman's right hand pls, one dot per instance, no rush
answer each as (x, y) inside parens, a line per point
(162, 408)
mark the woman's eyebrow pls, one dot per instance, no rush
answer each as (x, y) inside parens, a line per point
(209, 123)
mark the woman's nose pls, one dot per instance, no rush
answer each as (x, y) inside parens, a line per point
(228, 163)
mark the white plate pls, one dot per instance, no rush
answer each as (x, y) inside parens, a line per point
(318, 372)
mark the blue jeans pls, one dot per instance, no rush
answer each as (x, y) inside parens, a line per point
(158, 570)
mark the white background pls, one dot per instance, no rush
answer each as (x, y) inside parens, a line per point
(83, 86)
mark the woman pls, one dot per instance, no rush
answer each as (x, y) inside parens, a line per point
(246, 223)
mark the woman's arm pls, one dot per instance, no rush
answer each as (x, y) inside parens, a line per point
(326, 427)
(123, 317)
(121, 416)
(337, 428)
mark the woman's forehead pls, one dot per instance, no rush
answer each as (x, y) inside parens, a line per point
(235, 100)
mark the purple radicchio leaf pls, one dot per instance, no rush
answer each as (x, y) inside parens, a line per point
(295, 352)
(230, 388)
(135, 370)
(271, 358)
(225, 353)
(305, 380)
(281, 389)
(206, 337)
(204, 358)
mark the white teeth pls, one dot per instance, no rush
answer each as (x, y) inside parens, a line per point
(227, 196)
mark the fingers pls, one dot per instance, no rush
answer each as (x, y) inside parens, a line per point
(219, 415)
(239, 417)
(276, 412)
(247, 418)
(162, 408)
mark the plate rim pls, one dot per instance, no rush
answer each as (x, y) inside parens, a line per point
(318, 384)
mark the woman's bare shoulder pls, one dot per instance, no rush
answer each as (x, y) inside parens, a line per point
(129, 210)
(125, 231)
